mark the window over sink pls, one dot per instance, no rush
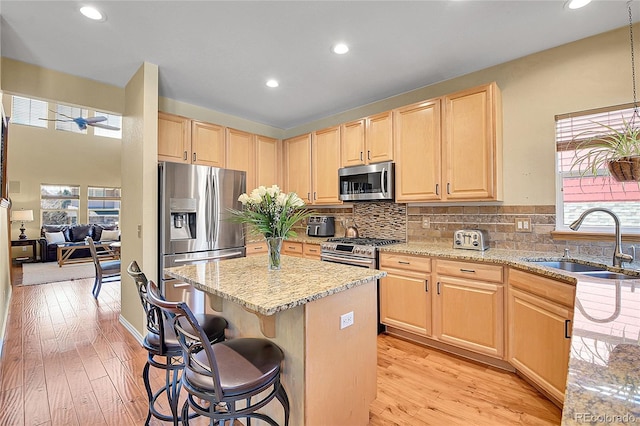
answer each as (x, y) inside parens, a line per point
(576, 191)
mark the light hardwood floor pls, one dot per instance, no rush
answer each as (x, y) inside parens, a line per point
(67, 360)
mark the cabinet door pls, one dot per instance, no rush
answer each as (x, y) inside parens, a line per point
(405, 301)
(241, 154)
(352, 143)
(379, 138)
(325, 163)
(174, 138)
(311, 251)
(207, 144)
(538, 346)
(297, 158)
(268, 161)
(417, 152)
(470, 314)
(472, 140)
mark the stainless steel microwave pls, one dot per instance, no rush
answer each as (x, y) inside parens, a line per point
(370, 182)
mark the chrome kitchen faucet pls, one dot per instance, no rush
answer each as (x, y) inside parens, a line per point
(618, 256)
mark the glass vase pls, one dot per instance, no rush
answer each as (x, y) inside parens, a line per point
(274, 245)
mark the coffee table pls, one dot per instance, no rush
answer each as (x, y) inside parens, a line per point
(66, 250)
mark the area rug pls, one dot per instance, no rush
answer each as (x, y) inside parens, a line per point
(50, 272)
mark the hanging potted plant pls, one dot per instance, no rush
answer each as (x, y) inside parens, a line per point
(614, 149)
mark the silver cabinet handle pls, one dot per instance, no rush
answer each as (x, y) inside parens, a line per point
(468, 271)
(360, 155)
(368, 155)
(403, 262)
(437, 188)
(194, 157)
(448, 188)
(185, 156)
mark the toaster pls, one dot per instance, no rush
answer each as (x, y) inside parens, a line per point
(471, 239)
(321, 226)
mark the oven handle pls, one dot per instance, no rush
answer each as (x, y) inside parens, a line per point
(350, 261)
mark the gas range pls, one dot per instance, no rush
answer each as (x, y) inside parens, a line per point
(354, 251)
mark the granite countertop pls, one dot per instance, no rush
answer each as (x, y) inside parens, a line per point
(298, 239)
(603, 382)
(247, 281)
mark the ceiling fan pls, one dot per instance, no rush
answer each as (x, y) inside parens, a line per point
(83, 122)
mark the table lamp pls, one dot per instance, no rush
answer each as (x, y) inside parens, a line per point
(22, 216)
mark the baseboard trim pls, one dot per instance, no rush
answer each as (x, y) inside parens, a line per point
(131, 329)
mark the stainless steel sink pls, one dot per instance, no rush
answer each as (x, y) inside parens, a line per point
(608, 275)
(587, 270)
(566, 265)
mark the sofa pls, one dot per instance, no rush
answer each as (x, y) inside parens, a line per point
(53, 235)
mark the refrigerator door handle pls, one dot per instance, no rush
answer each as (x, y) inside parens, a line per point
(216, 207)
(217, 257)
(207, 209)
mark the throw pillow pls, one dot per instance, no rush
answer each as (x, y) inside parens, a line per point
(110, 235)
(54, 237)
(80, 232)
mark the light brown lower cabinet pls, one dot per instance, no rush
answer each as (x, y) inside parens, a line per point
(292, 248)
(311, 251)
(540, 315)
(256, 248)
(405, 293)
(469, 306)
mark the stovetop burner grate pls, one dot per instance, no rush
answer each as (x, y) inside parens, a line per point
(364, 241)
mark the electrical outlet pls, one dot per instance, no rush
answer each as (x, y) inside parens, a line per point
(24, 248)
(523, 224)
(346, 320)
(426, 222)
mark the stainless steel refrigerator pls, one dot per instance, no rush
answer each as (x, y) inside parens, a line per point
(194, 223)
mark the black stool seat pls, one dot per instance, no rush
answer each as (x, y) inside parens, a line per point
(248, 364)
(212, 325)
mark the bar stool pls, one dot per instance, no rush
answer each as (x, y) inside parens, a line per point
(164, 350)
(219, 376)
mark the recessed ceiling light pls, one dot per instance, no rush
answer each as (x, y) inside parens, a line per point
(273, 83)
(340, 49)
(92, 13)
(577, 4)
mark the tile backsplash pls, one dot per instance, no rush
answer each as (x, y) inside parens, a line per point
(437, 224)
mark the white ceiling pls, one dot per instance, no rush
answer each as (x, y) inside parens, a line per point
(218, 54)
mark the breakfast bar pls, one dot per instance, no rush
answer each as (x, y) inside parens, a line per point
(322, 315)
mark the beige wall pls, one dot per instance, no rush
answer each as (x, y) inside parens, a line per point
(590, 73)
(139, 189)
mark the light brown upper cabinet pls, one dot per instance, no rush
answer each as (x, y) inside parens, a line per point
(472, 144)
(174, 138)
(241, 154)
(297, 166)
(369, 140)
(182, 140)
(450, 148)
(325, 162)
(268, 161)
(207, 144)
(418, 151)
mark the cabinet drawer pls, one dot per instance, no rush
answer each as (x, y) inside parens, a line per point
(480, 271)
(311, 251)
(549, 289)
(405, 262)
(292, 248)
(256, 248)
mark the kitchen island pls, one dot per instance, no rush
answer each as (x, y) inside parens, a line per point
(329, 372)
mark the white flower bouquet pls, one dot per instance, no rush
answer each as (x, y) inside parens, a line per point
(271, 212)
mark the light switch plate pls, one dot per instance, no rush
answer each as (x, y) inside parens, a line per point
(523, 224)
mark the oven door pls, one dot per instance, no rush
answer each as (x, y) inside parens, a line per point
(348, 260)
